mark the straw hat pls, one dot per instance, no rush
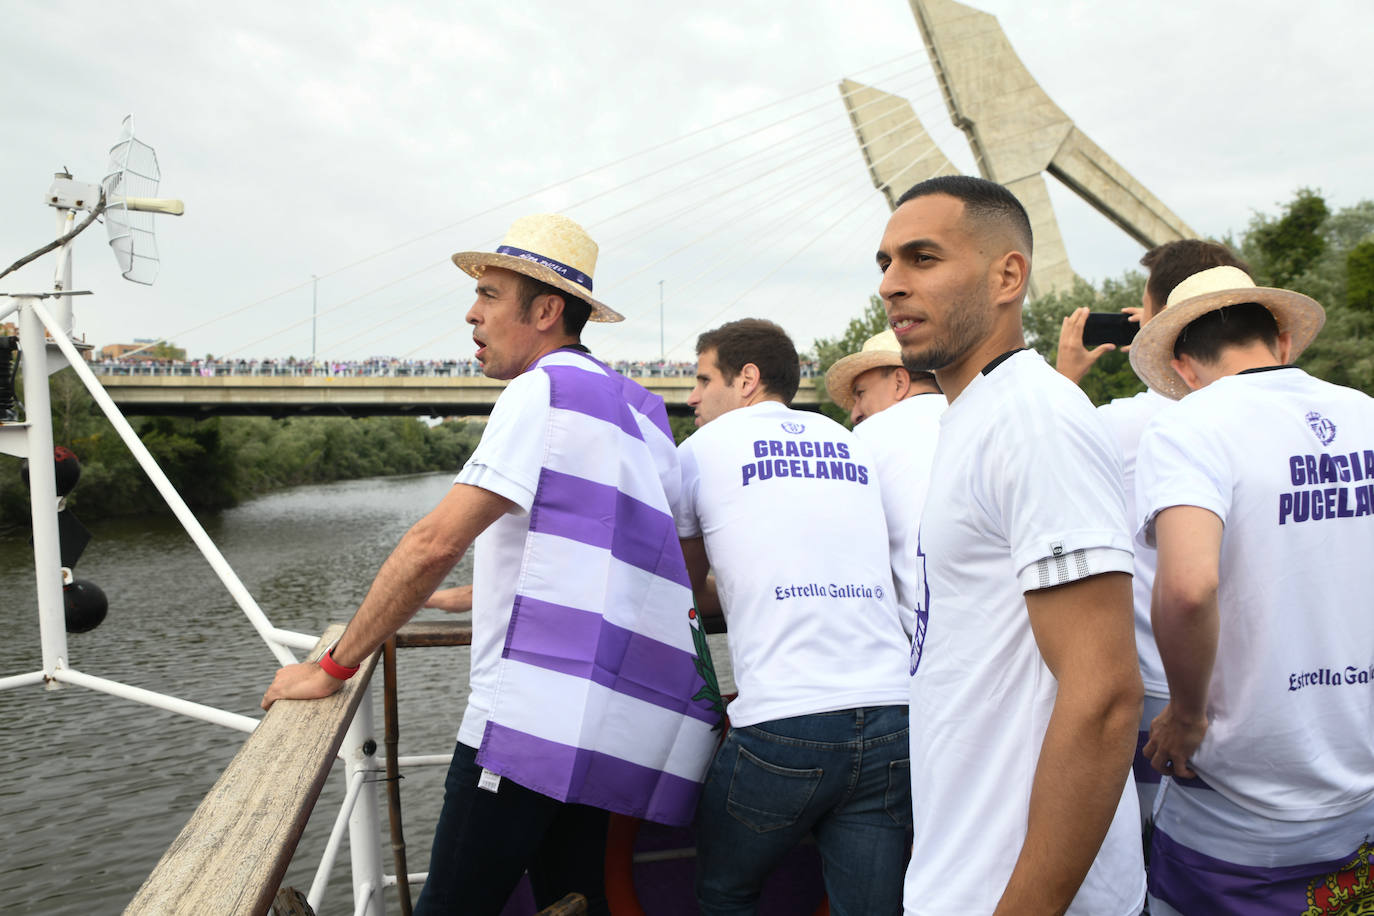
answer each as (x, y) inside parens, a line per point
(549, 248)
(878, 351)
(1153, 348)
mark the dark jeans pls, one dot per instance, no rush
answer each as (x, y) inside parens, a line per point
(844, 776)
(485, 841)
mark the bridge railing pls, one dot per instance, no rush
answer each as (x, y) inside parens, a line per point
(380, 368)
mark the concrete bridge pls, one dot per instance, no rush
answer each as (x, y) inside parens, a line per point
(352, 396)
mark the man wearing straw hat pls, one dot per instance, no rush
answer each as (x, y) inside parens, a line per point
(584, 680)
(1025, 692)
(897, 412)
(1169, 264)
(874, 379)
(1258, 492)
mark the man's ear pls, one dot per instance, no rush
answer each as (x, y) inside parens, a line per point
(1186, 367)
(903, 382)
(1010, 273)
(548, 311)
(748, 380)
(1285, 347)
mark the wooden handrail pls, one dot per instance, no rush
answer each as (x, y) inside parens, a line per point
(231, 856)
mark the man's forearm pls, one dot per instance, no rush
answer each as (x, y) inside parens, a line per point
(1186, 633)
(409, 576)
(417, 566)
(414, 570)
(1083, 765)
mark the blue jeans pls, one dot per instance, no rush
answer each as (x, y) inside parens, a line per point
(844, 776)
(485, 841)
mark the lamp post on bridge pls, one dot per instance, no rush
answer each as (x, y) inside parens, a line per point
(314, 312)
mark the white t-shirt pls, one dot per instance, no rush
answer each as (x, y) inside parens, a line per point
(788, 505)
(903, 439)
(1025, 493)
(1126, 418)
(1286, 462)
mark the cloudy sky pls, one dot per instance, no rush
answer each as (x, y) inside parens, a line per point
(704, 144)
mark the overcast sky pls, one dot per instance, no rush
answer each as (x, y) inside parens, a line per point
(364, 143)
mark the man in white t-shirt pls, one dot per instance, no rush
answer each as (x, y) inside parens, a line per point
(583, 702)
(783, 506)
(1258, 491)
(1025, 691)
(900, 420)
(874, 379)
(1169, 264)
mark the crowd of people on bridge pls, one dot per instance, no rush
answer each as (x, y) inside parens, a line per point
(997, 650)
(373, 367)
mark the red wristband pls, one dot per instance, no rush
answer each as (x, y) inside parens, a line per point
(333, 668)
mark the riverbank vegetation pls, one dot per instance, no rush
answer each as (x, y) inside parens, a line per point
(218, 462)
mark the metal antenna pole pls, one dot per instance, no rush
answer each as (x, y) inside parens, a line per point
(314, 312)
(662, 354)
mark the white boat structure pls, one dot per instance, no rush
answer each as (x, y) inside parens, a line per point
(262, 802)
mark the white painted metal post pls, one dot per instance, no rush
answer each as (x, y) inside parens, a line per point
(62, 282)
(164, 486)
(47, 555)
(364, 827)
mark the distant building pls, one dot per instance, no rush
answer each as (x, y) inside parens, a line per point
(147, 347)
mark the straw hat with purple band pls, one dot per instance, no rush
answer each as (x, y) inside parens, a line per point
(550, 248)
(1153, 348)
(878, 351)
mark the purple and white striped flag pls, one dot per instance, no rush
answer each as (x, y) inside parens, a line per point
(599, 700)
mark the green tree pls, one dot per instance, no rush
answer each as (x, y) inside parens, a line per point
(829, 350)
(1111, 376)
(1338, 277)
(682, 426)
(1359, 269)
(1281, 250)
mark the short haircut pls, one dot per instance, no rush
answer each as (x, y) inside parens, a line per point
(920, 375)
(985, 201)
(575, 311)
(763, 343)
(1173, 262)
(1207, 336)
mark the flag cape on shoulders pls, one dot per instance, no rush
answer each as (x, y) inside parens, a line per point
(599, 699)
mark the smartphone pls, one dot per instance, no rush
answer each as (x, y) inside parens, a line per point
(1109, 328)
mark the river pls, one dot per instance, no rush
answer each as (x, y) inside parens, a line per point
(96, 787)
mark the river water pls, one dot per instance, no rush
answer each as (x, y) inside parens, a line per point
(95, 788)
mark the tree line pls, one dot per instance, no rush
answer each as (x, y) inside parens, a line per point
(217, 463)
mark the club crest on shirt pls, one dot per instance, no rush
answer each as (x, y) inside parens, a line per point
(1322, 428)
(1347, 891)
(795, 429)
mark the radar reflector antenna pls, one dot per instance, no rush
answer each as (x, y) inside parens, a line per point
(130, 189)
